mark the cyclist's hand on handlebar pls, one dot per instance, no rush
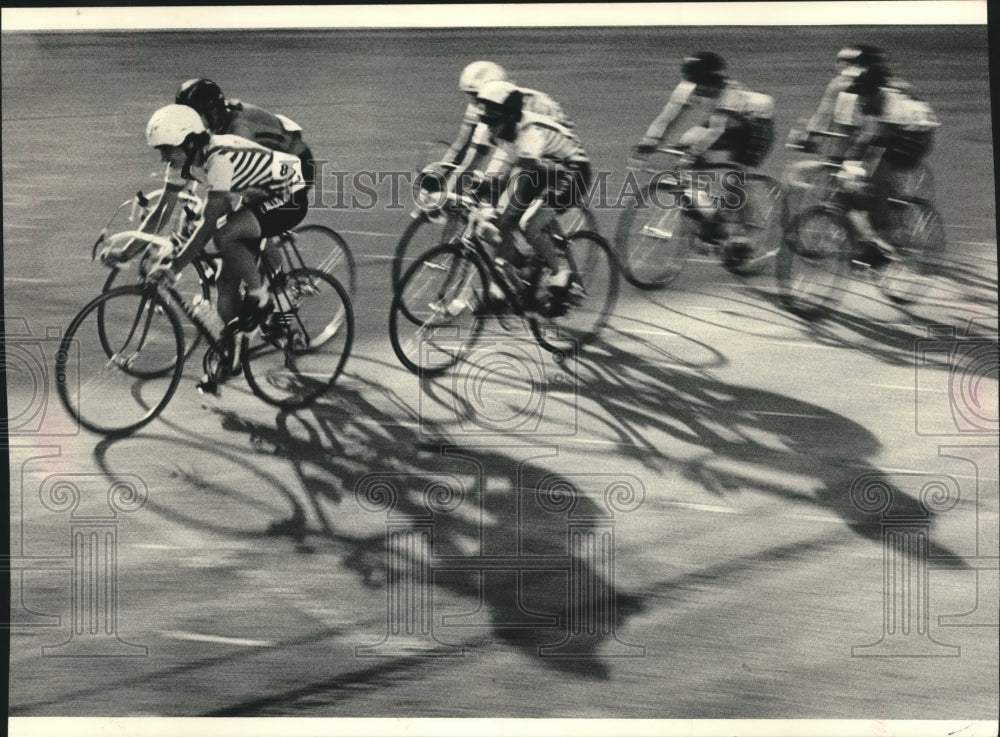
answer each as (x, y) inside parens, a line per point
(115, 256)
(485, 227)
(642, 150)
(157, 265)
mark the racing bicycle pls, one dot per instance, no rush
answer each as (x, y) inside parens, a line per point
(122, 357)
(658, 230)
(445, 296)
(436, 219)
(822, 249)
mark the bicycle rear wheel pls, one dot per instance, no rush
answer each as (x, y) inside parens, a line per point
(813, 261)
(421, 235)
(593, 295)
(437, 312)
(654, 240)
(916, 230)
(189, 289)
(302, 351)
(324, 249)
(110, 366)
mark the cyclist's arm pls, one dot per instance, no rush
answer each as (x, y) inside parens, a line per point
(160, 214)
(217, 208)
(822, 119)
(698, 140)
(663, 122)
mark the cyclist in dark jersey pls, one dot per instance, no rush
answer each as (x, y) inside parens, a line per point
(233, 117)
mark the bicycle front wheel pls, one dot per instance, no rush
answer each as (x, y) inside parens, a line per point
(593, 295)
(654, 239)
(916, 230)
(306, 343)
(422, 234)
(110, 366)
(324, 249)
(437, 311)
(189, 289)
(813, 262)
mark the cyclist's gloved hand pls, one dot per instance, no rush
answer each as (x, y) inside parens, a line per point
(430, 187)
(643, 149)
(485, 227)
(115, 255)
(157, 263)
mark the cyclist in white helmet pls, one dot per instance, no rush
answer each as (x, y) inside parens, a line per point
(253, 192)
(472, 144)
(537, 162)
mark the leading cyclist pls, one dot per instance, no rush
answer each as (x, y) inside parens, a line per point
(253, 192)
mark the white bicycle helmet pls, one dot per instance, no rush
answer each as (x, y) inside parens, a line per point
(478, 73)
(172, 124)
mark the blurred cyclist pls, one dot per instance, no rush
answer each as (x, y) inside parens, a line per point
(540, 164)
(716, 114)
(890, 132)
(253, 192)
(233, 117)
(851, 62)
(472, 146)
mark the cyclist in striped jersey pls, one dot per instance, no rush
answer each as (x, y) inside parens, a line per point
(253, 192)
(543, 166)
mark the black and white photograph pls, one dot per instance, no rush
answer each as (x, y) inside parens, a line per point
(511, 369)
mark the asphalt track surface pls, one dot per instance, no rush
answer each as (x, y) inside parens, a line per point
(740, 580)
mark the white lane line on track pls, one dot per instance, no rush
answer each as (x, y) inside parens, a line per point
(365, 232)
(976, 243)
(828, 518)
(195, 637)
(801, 344)
(155, 546)
(787, 414)
(28, 280)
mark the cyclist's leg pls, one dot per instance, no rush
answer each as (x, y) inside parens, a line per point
(234, 241)
(538, 224)
(271, 223)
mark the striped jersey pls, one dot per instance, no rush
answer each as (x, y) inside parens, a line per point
(235, 164)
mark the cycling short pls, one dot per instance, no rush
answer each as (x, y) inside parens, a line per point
(284, 217)
(562, 185)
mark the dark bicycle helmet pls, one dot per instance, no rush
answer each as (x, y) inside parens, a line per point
(205, 96)
(703, 68)
(500, 101)
(861, 55)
